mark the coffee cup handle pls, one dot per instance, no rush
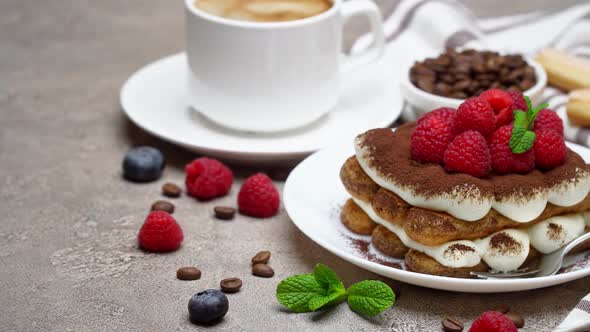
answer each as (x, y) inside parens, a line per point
(367, 8)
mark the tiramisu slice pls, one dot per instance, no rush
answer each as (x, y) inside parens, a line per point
(469, 190)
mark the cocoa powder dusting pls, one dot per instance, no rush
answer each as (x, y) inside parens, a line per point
(362, 247)
(554, 231)
(388, 152)
(505, 244)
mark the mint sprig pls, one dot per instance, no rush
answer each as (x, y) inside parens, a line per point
(370, 297)
(310, 292)
(523, 137)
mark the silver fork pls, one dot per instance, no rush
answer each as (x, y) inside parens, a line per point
(549, 265)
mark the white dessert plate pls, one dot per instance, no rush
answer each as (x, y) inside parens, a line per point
(155, 99)
(313, 196)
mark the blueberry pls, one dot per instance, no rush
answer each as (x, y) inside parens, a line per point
(207, 306)
(143, 164)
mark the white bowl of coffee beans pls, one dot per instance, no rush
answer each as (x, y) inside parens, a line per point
(448, 79)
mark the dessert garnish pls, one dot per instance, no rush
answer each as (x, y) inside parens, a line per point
(143, 164)
(207, 178)
(207, 306)
(258, 197)
(323, 287)
(493, 321)
(490, 133)
(523, 137)
(160, 233)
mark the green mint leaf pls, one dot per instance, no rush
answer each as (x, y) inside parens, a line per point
(531, 112)
(522, 140)
(322, 301)
(328, 279)
(520, 119)
(529, 107)
(297, 291)
(370, 297)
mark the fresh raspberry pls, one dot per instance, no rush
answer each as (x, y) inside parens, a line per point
(498, 99)
(160, 233)
(207, 178)
(548, 119)
(475, 114)
(492, 321)
(468, 153)
(505, 117)
(502, 105)
(503, 160)
(258, 197)
(443, 113)
(430, 140)
(550, 150)
(518, 100)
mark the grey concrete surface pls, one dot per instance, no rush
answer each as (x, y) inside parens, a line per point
(68, 222)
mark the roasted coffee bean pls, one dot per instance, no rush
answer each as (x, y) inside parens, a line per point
(425, 85)
(262, 270)
(471, 72)
(171, 190)
(516, 318)
(261, 257)
(163, 206)
(230, 285)
(224, 212)
(452, 324)
(188, 273)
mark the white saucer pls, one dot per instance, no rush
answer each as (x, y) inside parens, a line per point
(155, 99)
(313, 196)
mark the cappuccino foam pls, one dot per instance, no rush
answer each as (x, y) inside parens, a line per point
(264, 10)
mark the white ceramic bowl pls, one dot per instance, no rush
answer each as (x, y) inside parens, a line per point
(422, 101)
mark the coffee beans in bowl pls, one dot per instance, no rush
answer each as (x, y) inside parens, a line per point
(467, 73)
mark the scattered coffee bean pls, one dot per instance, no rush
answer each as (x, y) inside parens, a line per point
(188, 273)
(261, 257)
(163, 206)
(143, 164)
(207, 306)
(452, 324)
(230, 285)
(516, 318)
(224, 212)
(262, 270)
(171, 190)
(468, 73)
(502, 308)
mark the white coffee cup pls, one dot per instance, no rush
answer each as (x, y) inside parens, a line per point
(272, 76)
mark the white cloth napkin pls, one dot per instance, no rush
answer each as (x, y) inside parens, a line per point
(418, 28)
(578, 319)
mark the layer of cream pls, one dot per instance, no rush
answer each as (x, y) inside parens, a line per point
(468, 203)
(546, 236)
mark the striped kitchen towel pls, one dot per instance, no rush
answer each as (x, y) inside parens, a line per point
(418, 28)
(578, 319)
